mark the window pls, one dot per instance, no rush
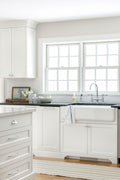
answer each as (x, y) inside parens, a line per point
(68, 71)
(62, 72)
(101, 65)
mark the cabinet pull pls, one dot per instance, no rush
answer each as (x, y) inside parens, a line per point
(13, 173)
(14, 122)
(13, 138)
(13, 155)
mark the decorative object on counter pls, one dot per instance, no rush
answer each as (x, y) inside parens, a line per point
(45, 98)
(20, 94)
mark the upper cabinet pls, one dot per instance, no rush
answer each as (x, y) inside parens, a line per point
(18, 52)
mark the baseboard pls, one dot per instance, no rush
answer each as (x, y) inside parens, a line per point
(29, 177)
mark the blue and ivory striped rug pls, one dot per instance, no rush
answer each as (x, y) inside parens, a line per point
(90, 172)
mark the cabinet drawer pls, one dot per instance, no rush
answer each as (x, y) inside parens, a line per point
(16, 121)
(15, 152)
(8, 137)
(16, 171)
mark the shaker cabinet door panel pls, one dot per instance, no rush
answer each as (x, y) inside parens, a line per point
(5, 52)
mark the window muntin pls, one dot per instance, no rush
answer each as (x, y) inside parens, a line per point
(62, 71)
(101, 65)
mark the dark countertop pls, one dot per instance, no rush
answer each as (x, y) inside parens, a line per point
(58, 104)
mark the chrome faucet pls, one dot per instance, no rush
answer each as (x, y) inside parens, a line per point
(96, 86)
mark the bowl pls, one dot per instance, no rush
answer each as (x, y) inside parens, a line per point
(45, 99)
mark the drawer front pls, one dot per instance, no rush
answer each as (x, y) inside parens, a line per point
(12, 122)
(15, 152)
(16, 171)
(14, 136)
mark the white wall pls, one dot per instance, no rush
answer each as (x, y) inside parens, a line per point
(104, 28)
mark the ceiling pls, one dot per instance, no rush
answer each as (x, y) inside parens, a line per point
(57, 10)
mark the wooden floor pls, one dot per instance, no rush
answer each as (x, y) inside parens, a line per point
(50, 177)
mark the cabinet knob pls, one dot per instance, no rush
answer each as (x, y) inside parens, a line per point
(14, 122)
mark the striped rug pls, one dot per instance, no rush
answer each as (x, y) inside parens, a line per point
(90, 172)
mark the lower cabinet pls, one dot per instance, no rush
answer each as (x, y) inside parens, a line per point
(74, 139)
(89, 140)
(46, 129)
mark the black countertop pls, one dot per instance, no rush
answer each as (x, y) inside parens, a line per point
(58, 104)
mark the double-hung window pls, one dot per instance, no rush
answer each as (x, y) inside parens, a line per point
(101, 66)
(62, 68)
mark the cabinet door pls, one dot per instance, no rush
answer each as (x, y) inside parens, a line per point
(19, 51)
(74, 139)
(102, 140)
(5, 53)
(50, 128)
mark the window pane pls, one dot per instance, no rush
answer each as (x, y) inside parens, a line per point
(62, 74)
(87, 86)
(101, 85)
(101, 61)
(52, 85)
(90, 49)
(112, 74)
(74, 50)
(73, 61)
(64, 62)
(90, 74)
(52, 75)
(100, 74)
(73, 86)
(112, 86)
(73, 74)
(63, 50)
(113, 61)
(53, 62)
(101, 49)
(62, 85)
(113, 48)
(90, 61)
(52, 51)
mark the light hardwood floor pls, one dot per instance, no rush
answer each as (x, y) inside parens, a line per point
(50, 177)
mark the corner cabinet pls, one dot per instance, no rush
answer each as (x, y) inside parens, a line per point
(18, 52)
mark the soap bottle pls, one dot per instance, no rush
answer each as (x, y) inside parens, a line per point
(74, 98)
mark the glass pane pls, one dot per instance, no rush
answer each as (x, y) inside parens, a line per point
(73, 86)
(101, 61)
(73, 74)
(100, 74)
(90, 61)
(90, 74)
(74, 50)
(52, 75)
(113, 48)
(63, 50)
(101, 49)
(112, 74)
(113, 61)
(90, 49)
(53, 51)
(101, 85)
(53, 62)
(112, 86)
(52, 85)
(64, 62)
(62, 85)
(62, 74)
(87, 86)
(73, 61)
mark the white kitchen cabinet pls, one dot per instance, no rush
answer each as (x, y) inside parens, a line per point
(102, 141)
(18, 52)
(74, 139)
(46, 129)
(5, 52)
